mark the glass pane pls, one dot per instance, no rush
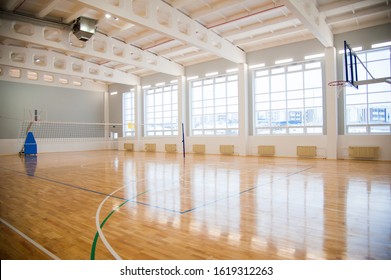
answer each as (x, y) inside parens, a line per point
(298, 103)
(379, 113)
(279, 130)
(379, 97)
(314, 116)
(357, 129)
(378, 54)
(379, 68)
(296, 130)
(262, 118)
(262, 97)
(380, 129)
(313, 78)
(262, 85)
(295, 94)
(314, 130)
(278, 117)
(220, 91)
(278, 96)
(356, 99)
(356, 114)
(277, 83)
(295, 81)
(232, 89)
(263, 131)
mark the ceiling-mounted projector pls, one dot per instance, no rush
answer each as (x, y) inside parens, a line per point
(83, 28)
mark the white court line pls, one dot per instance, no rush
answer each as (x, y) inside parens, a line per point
(97, 224)
(40, 247)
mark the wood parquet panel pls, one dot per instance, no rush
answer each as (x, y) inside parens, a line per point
(158, 206)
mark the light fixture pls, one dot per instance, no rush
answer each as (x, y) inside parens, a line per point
(256, 66)
(282, 61)
(379, 45)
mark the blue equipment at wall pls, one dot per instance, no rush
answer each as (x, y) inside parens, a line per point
(30, 146)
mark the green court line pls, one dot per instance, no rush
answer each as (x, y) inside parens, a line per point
(93, 247)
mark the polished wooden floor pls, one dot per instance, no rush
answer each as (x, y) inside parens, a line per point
(158, 206)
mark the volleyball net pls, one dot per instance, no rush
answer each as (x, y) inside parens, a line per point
(48, 131)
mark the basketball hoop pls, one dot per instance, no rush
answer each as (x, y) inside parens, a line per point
(340, 86)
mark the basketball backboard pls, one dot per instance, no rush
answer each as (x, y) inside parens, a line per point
(356, 71)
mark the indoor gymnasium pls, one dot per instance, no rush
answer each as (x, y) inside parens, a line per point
(195, 130)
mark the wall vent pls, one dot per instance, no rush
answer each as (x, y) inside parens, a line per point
(306, 151)
(266, 151)
(363, 152)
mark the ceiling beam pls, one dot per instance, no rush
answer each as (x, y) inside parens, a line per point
(257, 27)
(358, 14)
(307, 12)
(99, 46)
(13, 4)
(347, 5)
(50, 7)
(164, 19)
(214, 8)
(49, 61)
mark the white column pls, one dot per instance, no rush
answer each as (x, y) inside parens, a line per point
(139, 127)
(243, 108)
(106, 115)
(331, 104)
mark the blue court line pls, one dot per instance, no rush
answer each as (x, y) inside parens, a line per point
(64, 184)
(93, 191)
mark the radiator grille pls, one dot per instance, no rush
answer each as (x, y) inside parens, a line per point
(364, 152)
(306, 151)
(150, 147)
(266, 150)
(170, 148)
(199, 149)
(227, 149)
(128, 146)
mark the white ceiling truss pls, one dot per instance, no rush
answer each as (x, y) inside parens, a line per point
(136, 38)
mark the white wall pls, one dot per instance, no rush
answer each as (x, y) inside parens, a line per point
(285, 145)
(247, 144)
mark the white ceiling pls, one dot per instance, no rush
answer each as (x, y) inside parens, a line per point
(143, 37)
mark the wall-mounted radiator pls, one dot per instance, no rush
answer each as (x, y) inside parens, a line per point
(306, 151)
(128, 146)
(170, 148)
(266, 151)
(227, 149)
(199, 149)
(363, 152)
(150, 147)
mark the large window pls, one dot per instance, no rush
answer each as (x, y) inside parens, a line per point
(128, 114)
(368, 108)
(214, 106)
(289, 99)
(161, 111)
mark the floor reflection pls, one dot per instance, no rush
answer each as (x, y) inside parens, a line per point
(30, 163)
(289, 210)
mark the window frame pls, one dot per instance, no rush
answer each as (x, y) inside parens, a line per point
(129, 118)
(167, 129)
(366, 92)
(291, 125)
(223, 109)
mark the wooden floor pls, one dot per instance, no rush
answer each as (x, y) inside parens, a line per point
(158, 206)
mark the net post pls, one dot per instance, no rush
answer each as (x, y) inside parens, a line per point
(183, 141)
